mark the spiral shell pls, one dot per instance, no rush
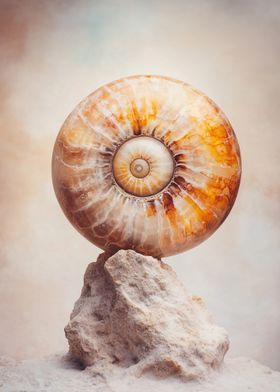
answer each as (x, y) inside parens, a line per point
(146, 163)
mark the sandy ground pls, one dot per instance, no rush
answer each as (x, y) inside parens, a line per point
(57, 374)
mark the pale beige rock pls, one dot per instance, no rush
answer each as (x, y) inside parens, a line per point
(133, 312)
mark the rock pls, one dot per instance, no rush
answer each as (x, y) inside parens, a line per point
(134, 313)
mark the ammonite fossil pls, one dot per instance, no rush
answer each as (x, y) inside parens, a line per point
(146, 163)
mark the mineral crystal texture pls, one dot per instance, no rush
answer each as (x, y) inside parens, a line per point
(133, 312)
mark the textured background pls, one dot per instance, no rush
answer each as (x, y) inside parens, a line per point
(55, 53)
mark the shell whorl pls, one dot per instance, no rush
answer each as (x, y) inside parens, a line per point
(147, 163)
(143, 166)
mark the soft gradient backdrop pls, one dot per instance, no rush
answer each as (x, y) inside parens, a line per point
(53, 54)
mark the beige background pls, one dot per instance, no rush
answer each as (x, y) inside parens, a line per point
(55, 53)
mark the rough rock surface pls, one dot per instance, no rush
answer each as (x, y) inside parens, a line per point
(134, 313)
(57, 374)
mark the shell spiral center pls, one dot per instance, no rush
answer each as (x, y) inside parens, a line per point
(143, 166)
(140, 168)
